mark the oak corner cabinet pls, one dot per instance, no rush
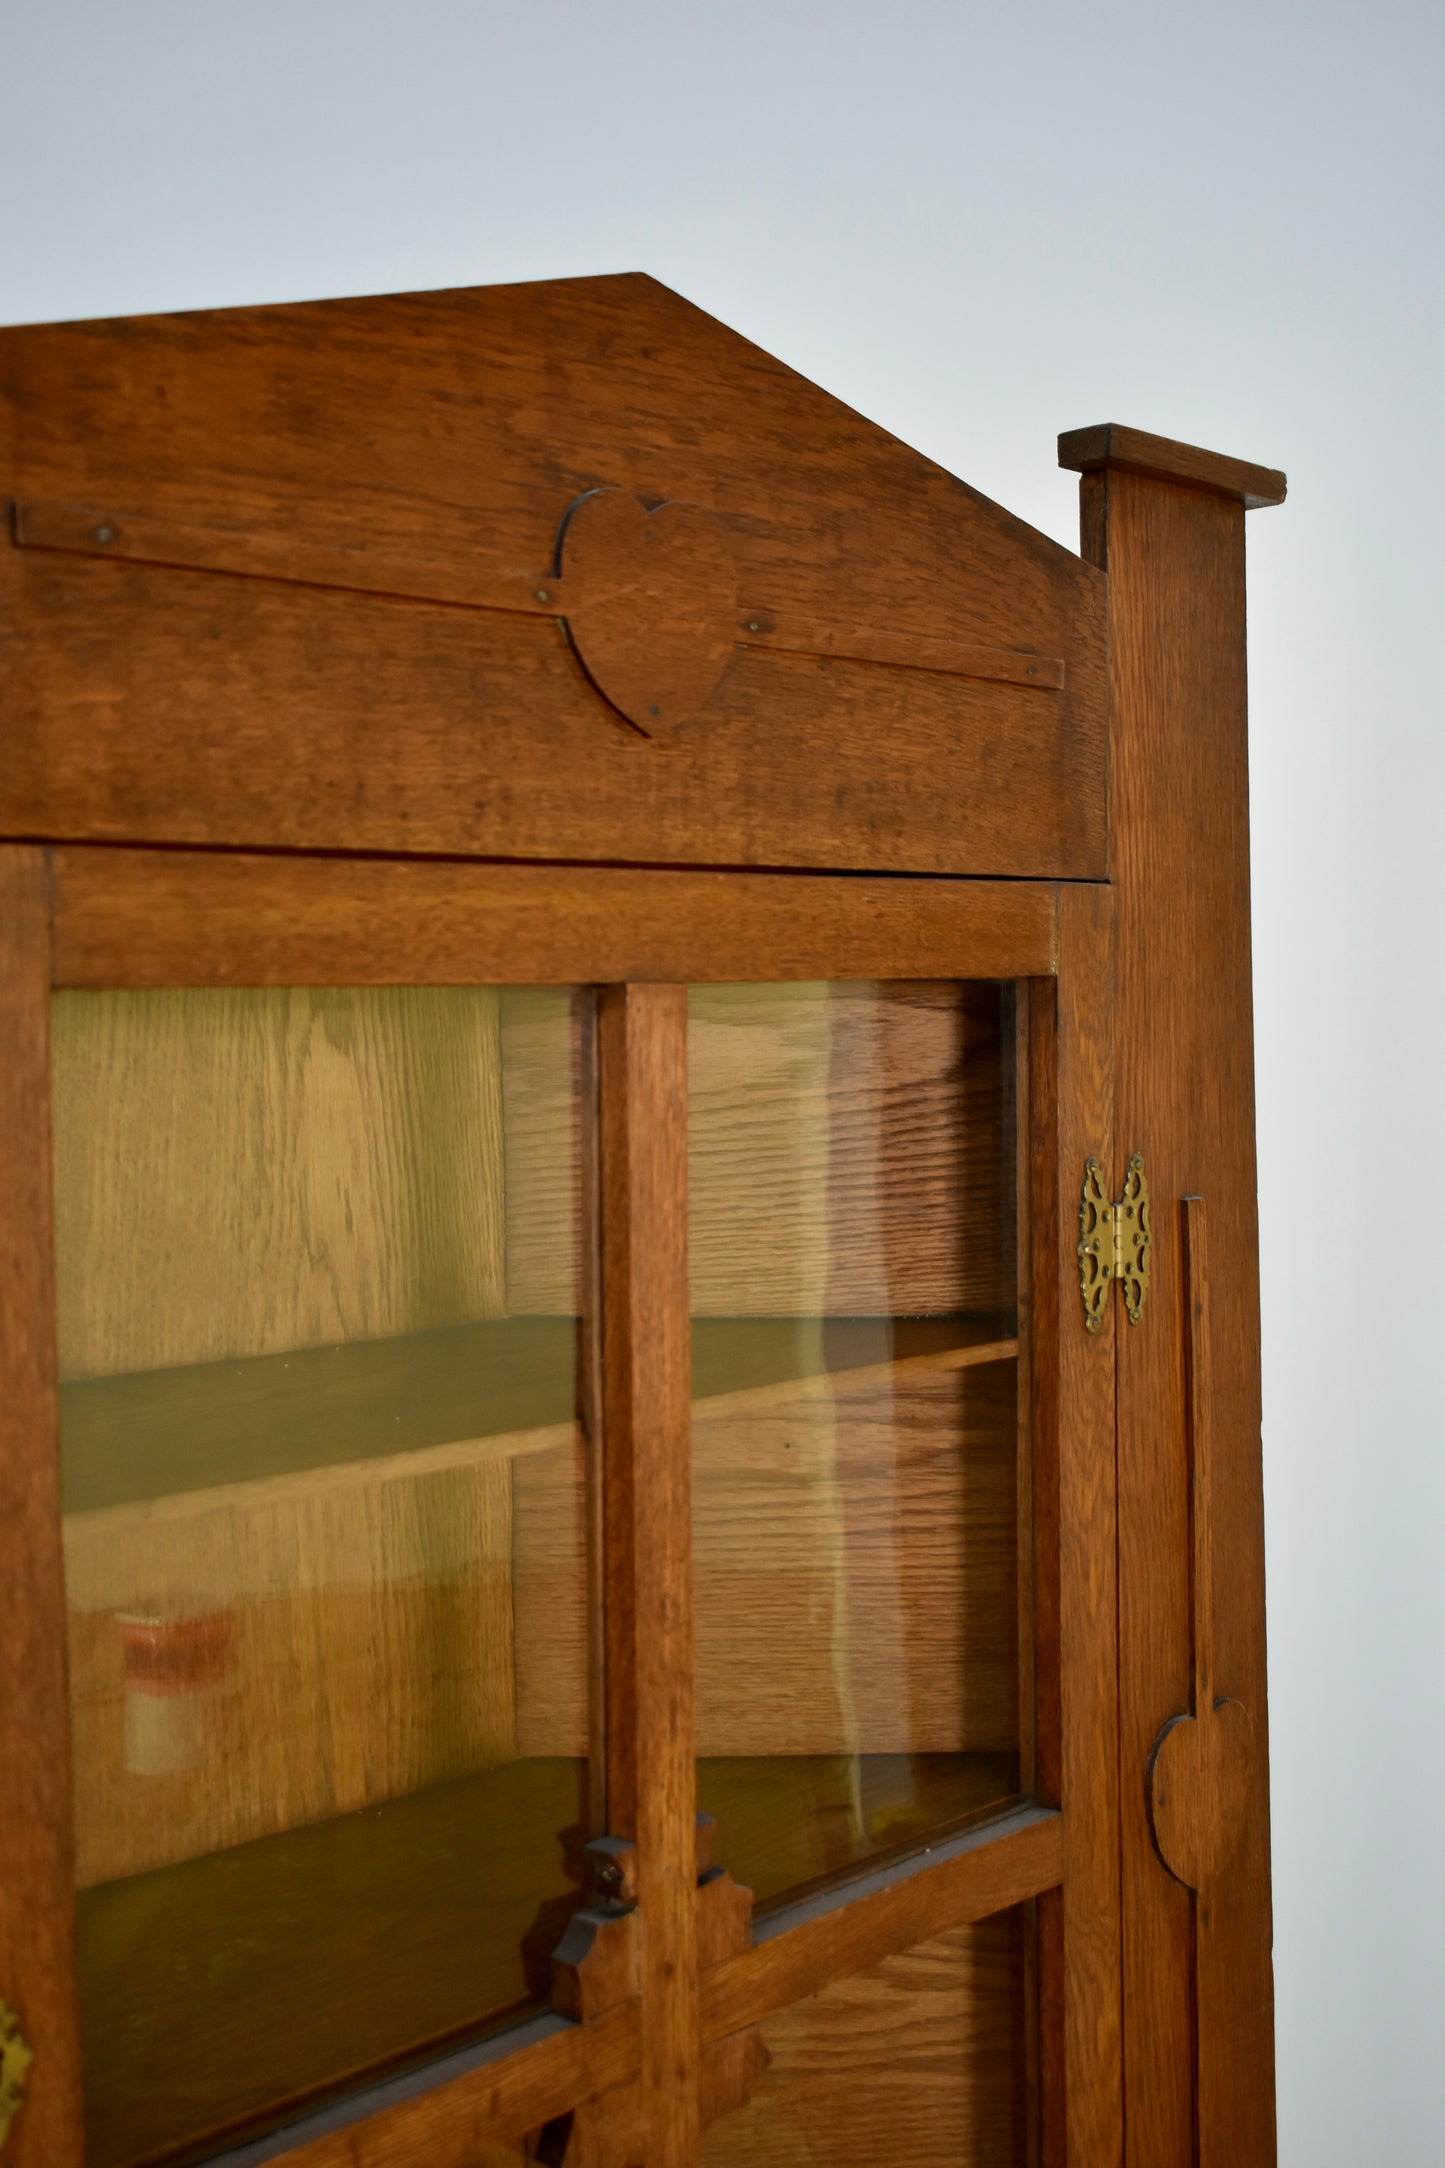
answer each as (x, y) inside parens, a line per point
(630, 1519)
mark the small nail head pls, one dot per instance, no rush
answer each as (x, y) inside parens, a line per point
(754, 625)
(105, 534)
(544, 594)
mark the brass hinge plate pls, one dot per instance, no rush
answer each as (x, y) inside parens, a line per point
(1114, 1242)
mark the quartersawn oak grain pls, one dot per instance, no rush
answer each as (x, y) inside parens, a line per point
(179, 918)
(37, 1904)
(179, 706)
(1174, 556)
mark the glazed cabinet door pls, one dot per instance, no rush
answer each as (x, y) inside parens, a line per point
(558, 1513)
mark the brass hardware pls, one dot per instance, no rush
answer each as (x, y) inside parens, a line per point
(15, 2060)
(1114, 1241)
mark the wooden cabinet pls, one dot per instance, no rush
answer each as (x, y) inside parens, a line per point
(629, 1486)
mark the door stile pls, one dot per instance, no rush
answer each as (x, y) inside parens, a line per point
(1075, 1535)
(647, 1536)
(37, 1887)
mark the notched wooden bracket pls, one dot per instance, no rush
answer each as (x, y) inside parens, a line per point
(729, 2071)
(594, 1966)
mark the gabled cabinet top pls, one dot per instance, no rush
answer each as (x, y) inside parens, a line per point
(565, 570)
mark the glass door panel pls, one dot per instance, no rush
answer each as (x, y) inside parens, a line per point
(852, 1252)
(319, 1399)
(920, 2059)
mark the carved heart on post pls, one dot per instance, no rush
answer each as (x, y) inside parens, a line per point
(649, 600)
(1199, 1780)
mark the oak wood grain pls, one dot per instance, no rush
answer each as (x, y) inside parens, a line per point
(194, 708)
(1081, 1403)
(246, 1171)
(1174, 557)
(919, 2058)
(137, 918)
(845, 1150)
(801, 1947)
(1134, 451)
(647, 1580)
(37, 1908)
(854, 1562)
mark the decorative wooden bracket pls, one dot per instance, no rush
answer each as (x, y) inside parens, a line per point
(1199, 1770)
(595, 1967)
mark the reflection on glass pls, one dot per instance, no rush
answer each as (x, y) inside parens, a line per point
(319, 1272)
(921, 2059)
(852, 1179)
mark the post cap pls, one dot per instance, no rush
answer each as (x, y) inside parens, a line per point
(1110, 444)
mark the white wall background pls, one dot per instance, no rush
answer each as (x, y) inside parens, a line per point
(981, 224)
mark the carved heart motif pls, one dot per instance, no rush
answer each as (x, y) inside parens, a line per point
(1199, 1790)
(650, 600)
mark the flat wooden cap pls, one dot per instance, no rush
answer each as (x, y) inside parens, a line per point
(1109, 444)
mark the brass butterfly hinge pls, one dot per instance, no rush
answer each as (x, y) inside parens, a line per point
(1114, 1242)
(15, 2059)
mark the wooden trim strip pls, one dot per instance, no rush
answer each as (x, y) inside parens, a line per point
(139, 918)
(447, 2111)
(485, 580)
(1110, 444)
(37, 1887)
(801, 1947)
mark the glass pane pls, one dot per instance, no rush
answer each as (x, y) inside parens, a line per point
(320, 1284)
(921, 2059)
(855, 1425)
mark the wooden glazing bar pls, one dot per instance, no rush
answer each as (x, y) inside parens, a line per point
(194, 918)
(801, 1947)
(647, 1531)
(37, 1885)
(447, 2112)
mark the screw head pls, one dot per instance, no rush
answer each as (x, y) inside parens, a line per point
(754, 625)
(544, 594)
(104, 534)
(1032, 671)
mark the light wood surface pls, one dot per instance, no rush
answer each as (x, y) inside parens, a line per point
(370, 1653)
(37, 1901)
(918, 2059)
(1174, 557)
(845, 1151)
(238, 1172)
(855, 1572)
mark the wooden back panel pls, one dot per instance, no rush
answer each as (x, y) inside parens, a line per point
(285, 577)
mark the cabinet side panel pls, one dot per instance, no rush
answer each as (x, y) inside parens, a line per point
(37, 1934)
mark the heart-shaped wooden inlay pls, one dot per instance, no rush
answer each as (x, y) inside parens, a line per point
(650, 600)
(1199, 1790)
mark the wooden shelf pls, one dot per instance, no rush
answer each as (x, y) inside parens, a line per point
(244, 1984)
(423, 1401)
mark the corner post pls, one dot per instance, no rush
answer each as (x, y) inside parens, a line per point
(1165, 523)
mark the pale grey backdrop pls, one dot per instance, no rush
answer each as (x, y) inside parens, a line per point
(981, 225)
